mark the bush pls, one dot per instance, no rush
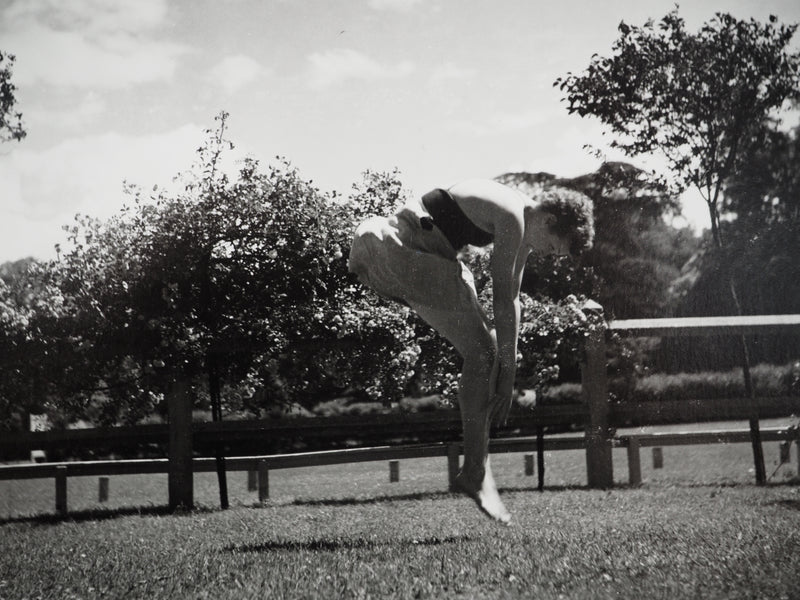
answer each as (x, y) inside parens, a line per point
(768, 380)
(347, 406)
(424, 404)
(565, 393)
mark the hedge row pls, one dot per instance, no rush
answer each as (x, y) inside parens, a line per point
(768, 381)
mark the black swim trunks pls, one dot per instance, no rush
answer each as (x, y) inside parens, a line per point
(451, 220)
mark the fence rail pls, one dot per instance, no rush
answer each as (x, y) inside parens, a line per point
(257, 436)
(442, 426)
(706, 326)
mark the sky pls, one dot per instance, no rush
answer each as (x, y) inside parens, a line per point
(442, 90)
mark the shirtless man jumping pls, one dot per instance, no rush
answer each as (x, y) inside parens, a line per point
(412, 257)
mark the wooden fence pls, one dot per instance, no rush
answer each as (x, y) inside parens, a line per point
(183, 439)
(270, 436)
(260, 466)
(738, 327)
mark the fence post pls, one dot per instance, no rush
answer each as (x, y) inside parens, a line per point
(180, 478)
(529, 465)
(634, 462)
(599, 466)
(797, 447)
(785, 453)
(453, 451)
(658, 458)
(61, 490)
(263, 481)
(540, 456)
(102, 489)
(394, 471)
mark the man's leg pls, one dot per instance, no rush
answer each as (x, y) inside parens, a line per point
(468, 331)
(393, 259)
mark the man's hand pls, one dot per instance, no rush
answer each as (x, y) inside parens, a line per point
(503, 395)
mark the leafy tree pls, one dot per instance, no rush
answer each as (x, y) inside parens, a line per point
(765, 189)
(11, 127)
(14, 320)
(698, 99)
(35, 350)
(239, 284)
(763, 248)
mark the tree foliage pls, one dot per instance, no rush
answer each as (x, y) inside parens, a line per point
(701, 100)
(697, 98)
(239, 282)
(636, 254)
(11, 127)
(763, 249)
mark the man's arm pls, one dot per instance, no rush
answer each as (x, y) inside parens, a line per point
(507, 265)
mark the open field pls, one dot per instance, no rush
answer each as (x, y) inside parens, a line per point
(697, 528)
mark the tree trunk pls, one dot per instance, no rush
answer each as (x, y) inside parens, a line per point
(216, 415)
(750, 394)
(755, 430)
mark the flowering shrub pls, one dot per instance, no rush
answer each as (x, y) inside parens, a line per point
(550, 332)
(792, 380)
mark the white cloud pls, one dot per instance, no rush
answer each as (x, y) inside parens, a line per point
(333, 67)
(500, 123)
(92, 16)
(89, 43)
(451, 72)
(398, 5)
(40, 191)
(72, 117)
(233, 73)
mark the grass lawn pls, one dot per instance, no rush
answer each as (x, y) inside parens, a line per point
(698, 528)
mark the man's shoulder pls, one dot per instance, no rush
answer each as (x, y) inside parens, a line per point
(492, 206)
(479, 188)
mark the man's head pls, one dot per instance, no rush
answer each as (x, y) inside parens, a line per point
(571, 218)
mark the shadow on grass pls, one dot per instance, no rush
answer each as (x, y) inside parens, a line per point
(790, 504)
(420, 496)
(370, 500)
(720, 484)
(334, 545)
(553, 489)
(103, 514)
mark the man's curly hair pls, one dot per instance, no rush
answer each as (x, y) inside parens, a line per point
(574, 217)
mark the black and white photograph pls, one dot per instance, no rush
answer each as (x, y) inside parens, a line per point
(399, 299)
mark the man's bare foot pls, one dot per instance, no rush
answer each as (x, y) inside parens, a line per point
(485, 496)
